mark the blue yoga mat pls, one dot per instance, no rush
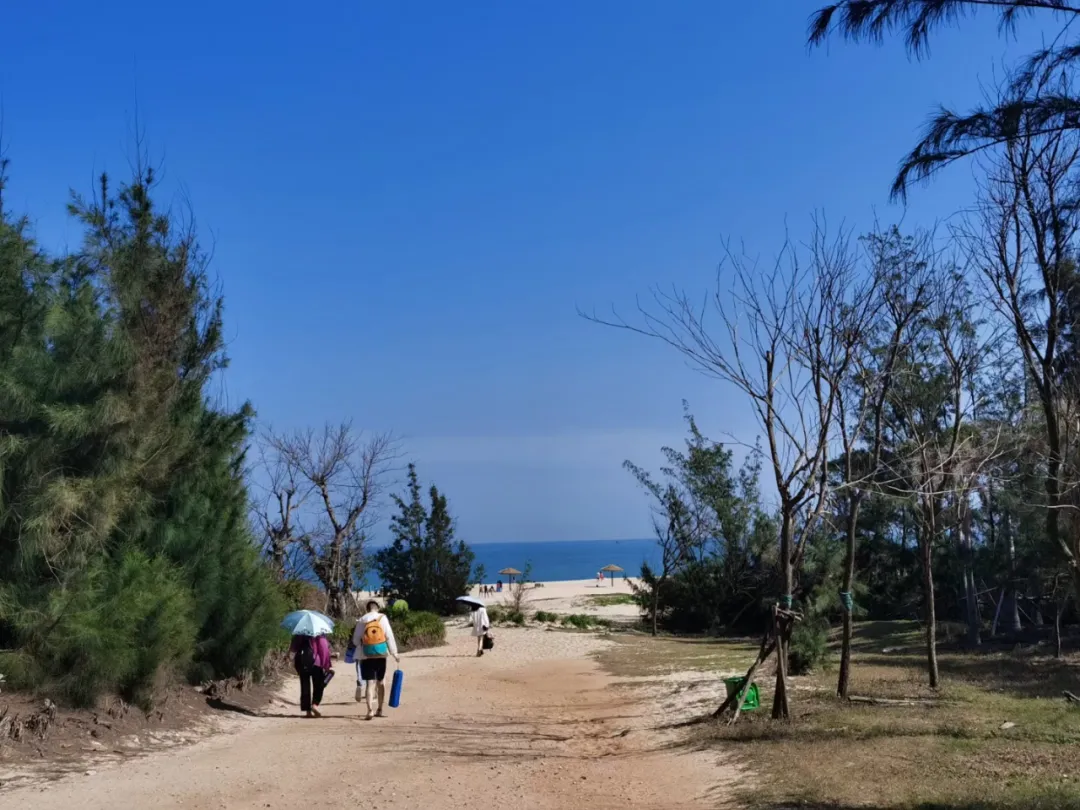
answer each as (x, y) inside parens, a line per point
(395, 689)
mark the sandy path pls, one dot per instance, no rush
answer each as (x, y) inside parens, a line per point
(534, 723)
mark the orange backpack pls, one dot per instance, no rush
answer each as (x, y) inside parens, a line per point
(373, 639)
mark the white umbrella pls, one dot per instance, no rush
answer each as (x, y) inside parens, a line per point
(308, 623)
(471, 600)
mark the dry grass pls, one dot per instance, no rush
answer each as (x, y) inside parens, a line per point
(947, 750)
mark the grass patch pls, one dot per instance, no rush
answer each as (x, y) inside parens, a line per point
(545, 618)
(947, 750)
(610, 599)
(583, 621)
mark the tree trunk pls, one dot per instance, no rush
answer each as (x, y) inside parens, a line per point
(971, 592)
(337, 602)
(931, 615)
(1059, 609)
(781, 710)
(997, 611)
(655, 604)
(842, 684)
(974, 620)
(1012, 616)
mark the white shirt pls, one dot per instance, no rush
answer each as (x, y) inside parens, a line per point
(480, 621)
(357, 639)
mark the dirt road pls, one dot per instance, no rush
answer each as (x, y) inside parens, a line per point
(535, 724)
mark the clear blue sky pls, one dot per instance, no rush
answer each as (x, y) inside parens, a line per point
(407, 201)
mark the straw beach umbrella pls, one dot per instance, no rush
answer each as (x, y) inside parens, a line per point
(510, 572)
(611, 569)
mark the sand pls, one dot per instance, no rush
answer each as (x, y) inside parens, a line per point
(535, 723)
(573, 596)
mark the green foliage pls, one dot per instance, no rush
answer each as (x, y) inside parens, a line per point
(496, 614)
(122, 624)
(418, 630)
(718, 542)
(299, 594)
(399, 608)
(809, 645)
(580, 621)
(543, 616)
(612, 599)
(515, 617)
(425, 564)
(341, 638)
(125, 552)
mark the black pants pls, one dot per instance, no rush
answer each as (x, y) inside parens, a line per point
(312, 683)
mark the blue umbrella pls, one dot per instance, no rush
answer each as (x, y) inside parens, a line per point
(308, 623)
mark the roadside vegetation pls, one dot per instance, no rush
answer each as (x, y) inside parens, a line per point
(126, 556)
(998, 735)
(132, 553)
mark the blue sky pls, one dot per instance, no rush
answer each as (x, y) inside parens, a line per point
(408, 201)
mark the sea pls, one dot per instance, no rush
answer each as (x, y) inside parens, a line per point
(561, 560)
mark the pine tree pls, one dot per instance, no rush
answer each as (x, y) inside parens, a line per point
(424, 564)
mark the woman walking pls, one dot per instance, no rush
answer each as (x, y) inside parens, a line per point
(481, 626)
(311, 658)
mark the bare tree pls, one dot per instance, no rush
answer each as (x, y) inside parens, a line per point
(1023, 239)
(330, 485)
(777, 349)
(283, 495)
(939, 449)
(895, 296)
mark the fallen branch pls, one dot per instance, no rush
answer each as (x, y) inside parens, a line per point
(767, 647)
(884, 701)
(1069, 696)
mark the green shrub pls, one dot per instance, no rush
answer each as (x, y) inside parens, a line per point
(300, 594)
(514, 617)
(545, 617)
(419, 630)
(809, 645)
(399, 608)
(496, 614)
(342, 635)
(580, 621)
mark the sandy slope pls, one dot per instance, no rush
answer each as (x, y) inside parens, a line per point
(535, 724)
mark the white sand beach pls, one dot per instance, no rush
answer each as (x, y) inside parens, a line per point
(571, 596)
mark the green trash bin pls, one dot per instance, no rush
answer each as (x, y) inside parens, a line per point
(751, 699)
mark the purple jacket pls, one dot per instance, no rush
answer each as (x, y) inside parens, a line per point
(319, 646)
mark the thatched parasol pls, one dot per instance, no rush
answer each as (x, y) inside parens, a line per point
(510, 572)
(612, 569)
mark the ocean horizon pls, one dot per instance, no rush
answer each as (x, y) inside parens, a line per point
(557, 560)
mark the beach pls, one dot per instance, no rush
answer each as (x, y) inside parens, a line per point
(570, 596)
(536, 723)
(574, 596)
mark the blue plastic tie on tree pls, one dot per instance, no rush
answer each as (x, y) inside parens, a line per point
(847, 601)
(786, 601)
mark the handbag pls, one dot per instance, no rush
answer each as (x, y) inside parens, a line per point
(488, 642)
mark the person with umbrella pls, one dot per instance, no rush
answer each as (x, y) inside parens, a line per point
(311, 655)
(481, 624)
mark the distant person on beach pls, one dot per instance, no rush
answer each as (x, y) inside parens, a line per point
(373, 639)
(311, 658)
(498, 586)
(481, 626)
